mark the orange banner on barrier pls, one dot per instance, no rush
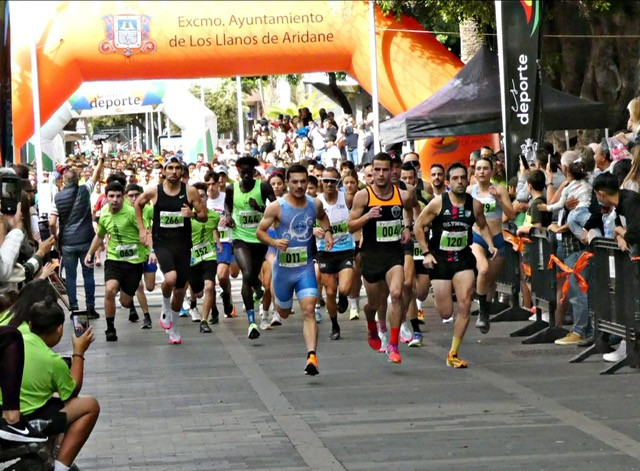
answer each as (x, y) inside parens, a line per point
(580, 265)
(515, 241)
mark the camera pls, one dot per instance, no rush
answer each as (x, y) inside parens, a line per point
(10, 192)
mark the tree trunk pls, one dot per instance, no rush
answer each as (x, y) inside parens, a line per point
(338, 94)
(471, 39)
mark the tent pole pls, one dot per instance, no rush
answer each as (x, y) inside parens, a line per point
(204, 125)
(566, 139)
(146, 131)
(374, 76)
(240, 114)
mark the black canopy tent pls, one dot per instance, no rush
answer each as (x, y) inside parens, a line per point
(470, 104)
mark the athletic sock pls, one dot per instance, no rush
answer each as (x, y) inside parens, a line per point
(214, 312)
(382, 326)
(373, 328)
(263, 314)
(353, 303)
(312, 352)
(175, 314)
(57, 466)
(147, 315)
(395, 333)
(194, 303)
(225, 298)
(455, 344)
(110, 321)
(484, 303)
(334, 323)
(251, 315)
(415, 324)
(166, 303)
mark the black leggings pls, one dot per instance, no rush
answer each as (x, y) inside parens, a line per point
(11, 364)
(250, 258)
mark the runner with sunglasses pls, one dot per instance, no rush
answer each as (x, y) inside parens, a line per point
(335, 265)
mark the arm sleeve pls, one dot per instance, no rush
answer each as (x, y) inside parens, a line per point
(9, 253)
(560, 203)
(522, 192)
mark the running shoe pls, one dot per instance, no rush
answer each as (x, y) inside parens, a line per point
(133, 314)
(166, 320)
(353, 314)
(450, 320)
(311, 368)
(406, 333)
(318, 316)
(455, 361)
(384, 341)
(619, 354)
(215, 317)
(253, 332)
(265, 324)
(483, 323)
(343, 303)
(276, 320)
(335, 334)
(416, 341)
(146, 322)
(195, 314)
(204, 327)
(186, 302)
(421, 316)
(174, 337)
(231, 312)
(394, 354)
(21, 431)
(111, 335)
(374, 340)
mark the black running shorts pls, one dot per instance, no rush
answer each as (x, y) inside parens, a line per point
(444, 270)
(205, 270)
(375, 265)
(128, 275)
(331, 263)
(174, 257)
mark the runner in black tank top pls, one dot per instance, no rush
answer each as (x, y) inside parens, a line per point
(448, 253)
(383, 212)
(175, 203)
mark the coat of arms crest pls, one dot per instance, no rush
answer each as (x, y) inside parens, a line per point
(127, 34)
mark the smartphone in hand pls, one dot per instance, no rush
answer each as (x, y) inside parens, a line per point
(80, 323)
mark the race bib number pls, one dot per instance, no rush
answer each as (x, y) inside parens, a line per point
(339, 228)
(127, 252)
(453, 241)
(417, 251)
(489, 206)
(201, 252)
(293, 257)
(225, 235)
(171, 219)
(249, 218)
(388, 231)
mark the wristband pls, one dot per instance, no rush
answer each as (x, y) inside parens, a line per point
(330, 231)
(77, 355)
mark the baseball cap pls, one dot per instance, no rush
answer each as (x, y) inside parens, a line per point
(221, 169)
(170, 159)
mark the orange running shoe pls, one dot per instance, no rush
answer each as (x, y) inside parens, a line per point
(455, 361)
(312, 365)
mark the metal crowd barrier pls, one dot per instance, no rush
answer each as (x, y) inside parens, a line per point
(614, 297)
(508, 285)
(543, 289)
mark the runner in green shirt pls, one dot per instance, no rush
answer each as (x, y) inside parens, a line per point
(204, 265)
(125, 254)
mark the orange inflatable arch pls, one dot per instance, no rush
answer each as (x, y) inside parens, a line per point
(89, 41)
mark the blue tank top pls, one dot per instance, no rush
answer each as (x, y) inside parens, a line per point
(491, 209)
(296, 225)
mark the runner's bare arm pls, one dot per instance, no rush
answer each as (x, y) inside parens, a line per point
(267, 192)
(271, 216)
(150, 195)
(198, 205)
(228, 206)
(483, 227)
(356, 218)
(425, 219)
(325, 225)
(411, 210)
(505, 203)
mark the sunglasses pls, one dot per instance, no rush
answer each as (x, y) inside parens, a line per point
(330, 180)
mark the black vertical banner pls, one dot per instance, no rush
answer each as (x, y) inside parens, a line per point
(518, 24)
(6, 132)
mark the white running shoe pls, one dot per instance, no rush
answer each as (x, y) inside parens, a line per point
(195, 314)
(354, 314)
(318, 316)
(186, 304)
(406, 332)
(265, 324)
(166, 319)
(617, 355)
(450, 320)
(276, 320)
(174, 337)
(384, 341)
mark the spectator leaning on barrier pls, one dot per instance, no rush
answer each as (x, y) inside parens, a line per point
(72, 206)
